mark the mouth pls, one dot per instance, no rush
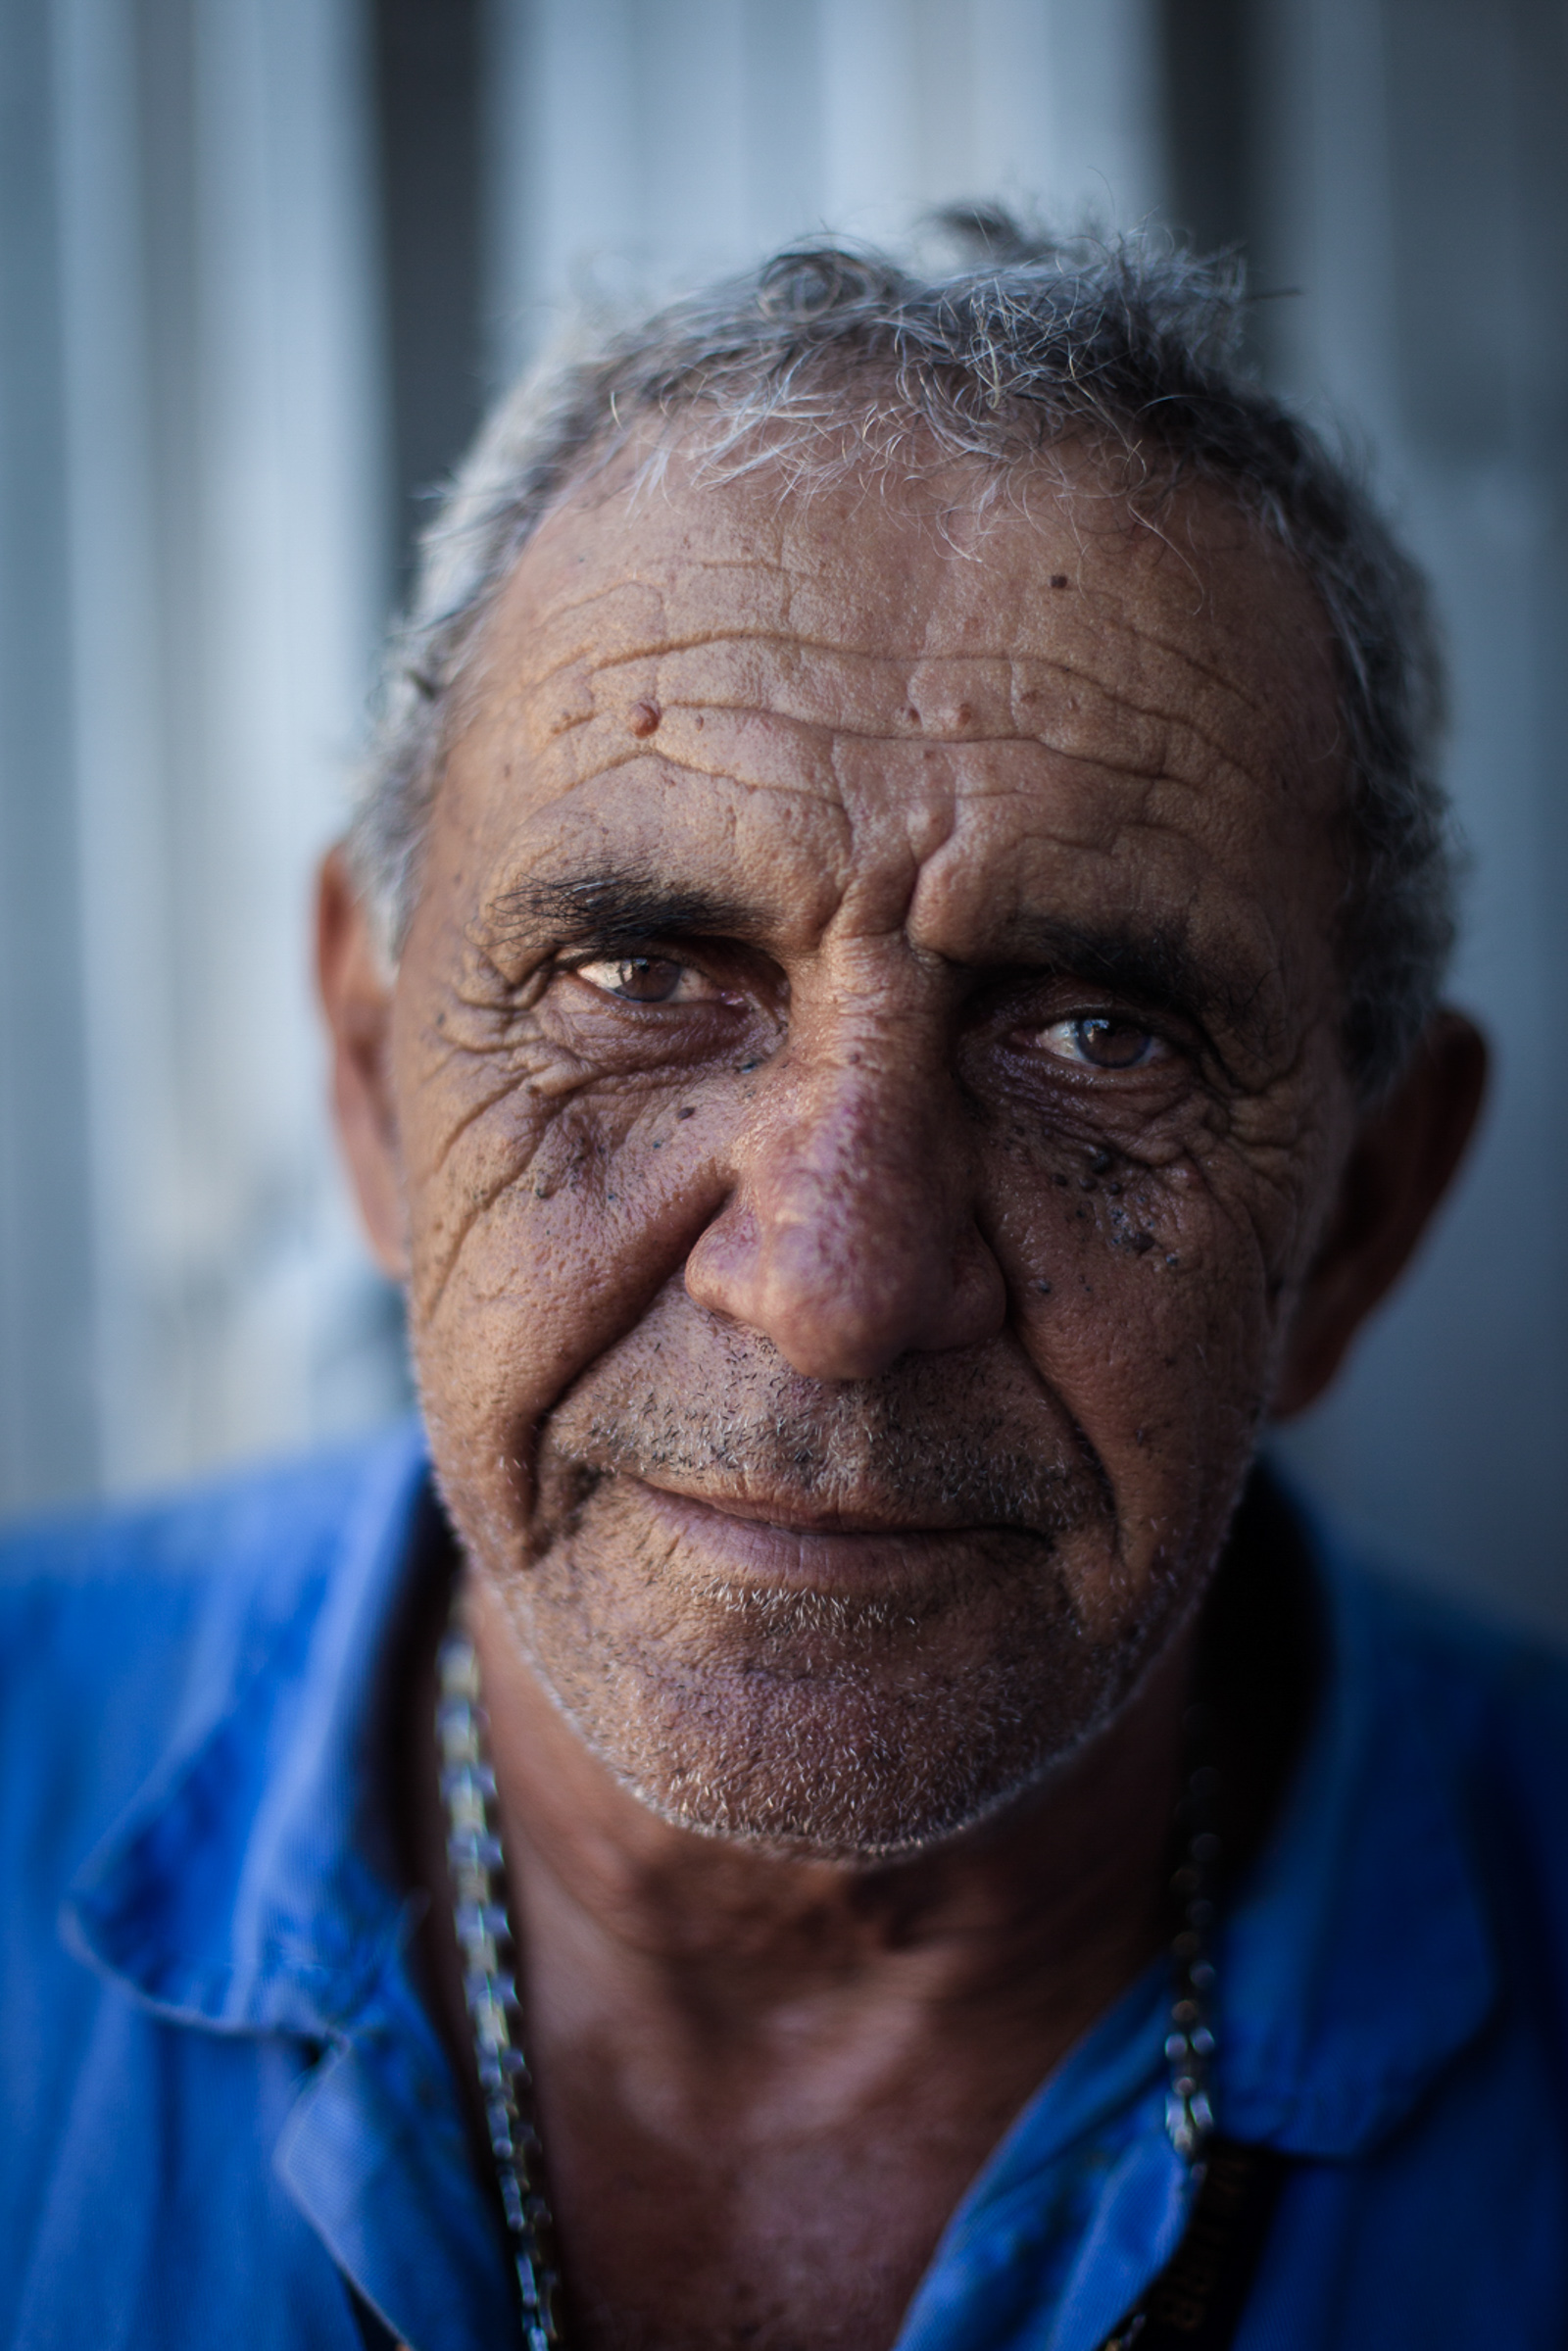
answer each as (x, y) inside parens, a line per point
(780, 1544)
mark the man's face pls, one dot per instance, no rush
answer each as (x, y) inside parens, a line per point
(865, 1074)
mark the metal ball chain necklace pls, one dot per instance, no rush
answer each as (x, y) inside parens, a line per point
(481, 1914)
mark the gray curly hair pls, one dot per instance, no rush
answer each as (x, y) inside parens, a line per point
(1031, 342)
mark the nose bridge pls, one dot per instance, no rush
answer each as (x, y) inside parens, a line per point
(851, 1238)
(861, 1126)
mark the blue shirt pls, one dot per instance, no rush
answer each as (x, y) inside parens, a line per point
(224, 2100)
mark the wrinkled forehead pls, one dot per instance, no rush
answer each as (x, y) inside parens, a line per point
(946, 700)
(889, 562)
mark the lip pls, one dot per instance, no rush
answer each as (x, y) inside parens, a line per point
(771, 1544)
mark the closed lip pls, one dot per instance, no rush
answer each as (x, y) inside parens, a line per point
(778, 1543)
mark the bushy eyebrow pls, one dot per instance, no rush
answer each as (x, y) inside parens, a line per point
(1150, 968)
(614, 906)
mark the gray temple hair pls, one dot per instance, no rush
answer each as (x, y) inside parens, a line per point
(1130, 344)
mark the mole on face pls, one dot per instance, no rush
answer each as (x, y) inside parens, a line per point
(644, 717)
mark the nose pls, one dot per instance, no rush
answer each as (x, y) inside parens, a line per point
(849, 1237)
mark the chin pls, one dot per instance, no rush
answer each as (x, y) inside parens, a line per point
(853, 1730)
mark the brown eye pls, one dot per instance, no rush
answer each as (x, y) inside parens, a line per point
(636, 979)
(1099, 1040)
(1112, 1044)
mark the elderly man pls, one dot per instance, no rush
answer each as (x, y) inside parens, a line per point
(885, 1006)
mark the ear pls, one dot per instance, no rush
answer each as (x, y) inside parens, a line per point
(1399, 1167)
(356, 991)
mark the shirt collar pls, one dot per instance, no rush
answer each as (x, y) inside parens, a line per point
(240, 1891)
(245, 1892)
(1358, 1960)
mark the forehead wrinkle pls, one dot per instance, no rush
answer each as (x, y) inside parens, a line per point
(1223, 679)
(795, 544)
(596, 743)
(796, 686)
(680, 627)
(868, 704)
(792, 702)
(837, 674)
(819, 766)
(594, 615)
(658, 640)
(1095, 613)
(847, 768)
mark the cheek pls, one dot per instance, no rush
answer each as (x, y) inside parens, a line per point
(544, 1217)
(1153, 1300)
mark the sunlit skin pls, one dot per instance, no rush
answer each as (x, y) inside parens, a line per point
(860, 1117)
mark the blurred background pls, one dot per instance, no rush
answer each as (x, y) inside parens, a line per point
(261, 263)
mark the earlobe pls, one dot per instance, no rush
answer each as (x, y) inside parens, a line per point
(356, 994)
(1402, 1162)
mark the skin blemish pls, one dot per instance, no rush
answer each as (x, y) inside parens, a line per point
(552, 1083)
(689, 1111)
(1101, 1161)
(962, 715)
(1140, 1243)
(1044, 1289)
(642, 718)
(1059, 579)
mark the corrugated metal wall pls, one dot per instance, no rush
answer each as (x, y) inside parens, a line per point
(191, 610)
